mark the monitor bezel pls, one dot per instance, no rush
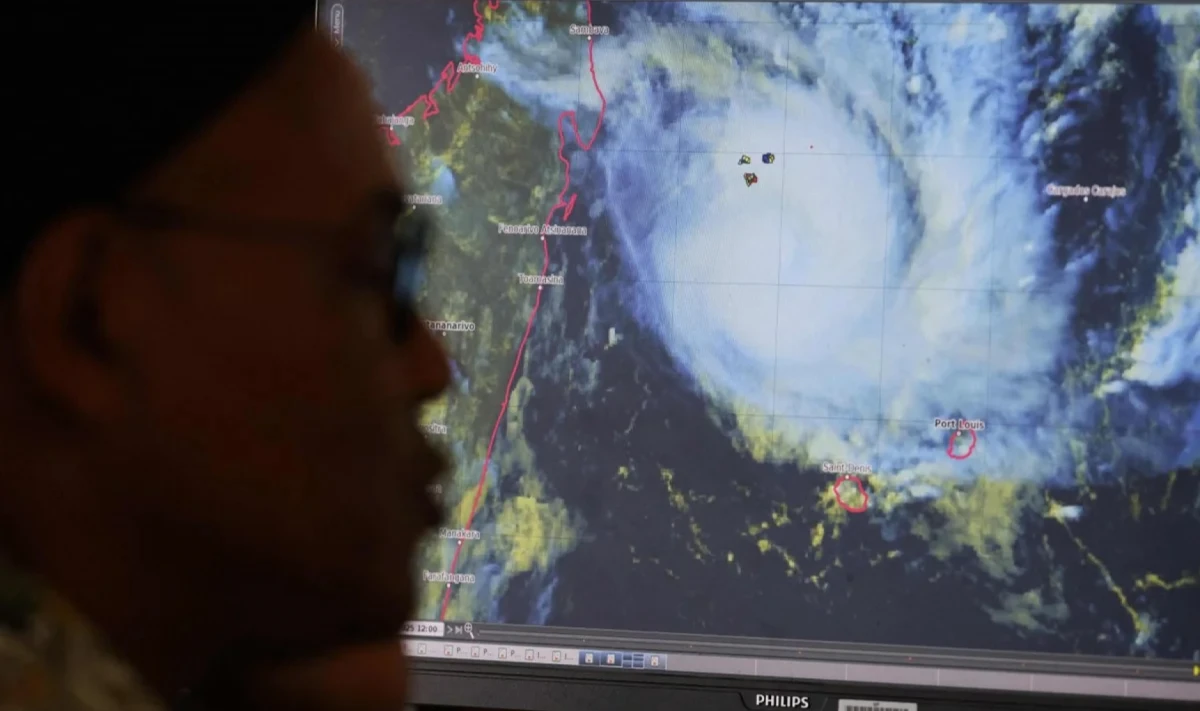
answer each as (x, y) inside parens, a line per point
(473, 685)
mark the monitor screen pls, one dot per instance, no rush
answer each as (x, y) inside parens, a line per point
(824, 341)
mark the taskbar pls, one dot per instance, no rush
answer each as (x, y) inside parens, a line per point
(625, 653)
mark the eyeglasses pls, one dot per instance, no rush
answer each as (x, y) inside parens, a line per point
(401, 236)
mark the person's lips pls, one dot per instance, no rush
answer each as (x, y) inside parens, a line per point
(433, 467)
(432, 513)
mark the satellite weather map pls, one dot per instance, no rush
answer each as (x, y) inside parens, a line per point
(861, 322)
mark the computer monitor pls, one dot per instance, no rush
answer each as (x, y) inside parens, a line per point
(839, 354)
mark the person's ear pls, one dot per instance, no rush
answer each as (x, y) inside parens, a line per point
(59, 318)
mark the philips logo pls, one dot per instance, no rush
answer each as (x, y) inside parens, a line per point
(780, 701)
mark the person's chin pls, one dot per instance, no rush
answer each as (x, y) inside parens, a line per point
(398, 591)
(381, 616)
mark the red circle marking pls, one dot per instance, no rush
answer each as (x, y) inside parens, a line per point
(970, 450)
(861, 489)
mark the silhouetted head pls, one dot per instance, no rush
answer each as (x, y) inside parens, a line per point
(209, 375)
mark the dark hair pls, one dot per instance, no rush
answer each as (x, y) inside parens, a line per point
(106, 93)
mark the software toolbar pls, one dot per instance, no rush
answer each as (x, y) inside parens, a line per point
(605, 659)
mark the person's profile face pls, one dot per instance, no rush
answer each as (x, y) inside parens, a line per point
(277, 399)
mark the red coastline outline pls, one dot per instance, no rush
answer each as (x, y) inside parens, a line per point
(970, 450)
(861, 489)
(447, 82)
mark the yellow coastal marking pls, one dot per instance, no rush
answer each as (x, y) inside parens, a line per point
(1153, 580)
(1139, 623)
